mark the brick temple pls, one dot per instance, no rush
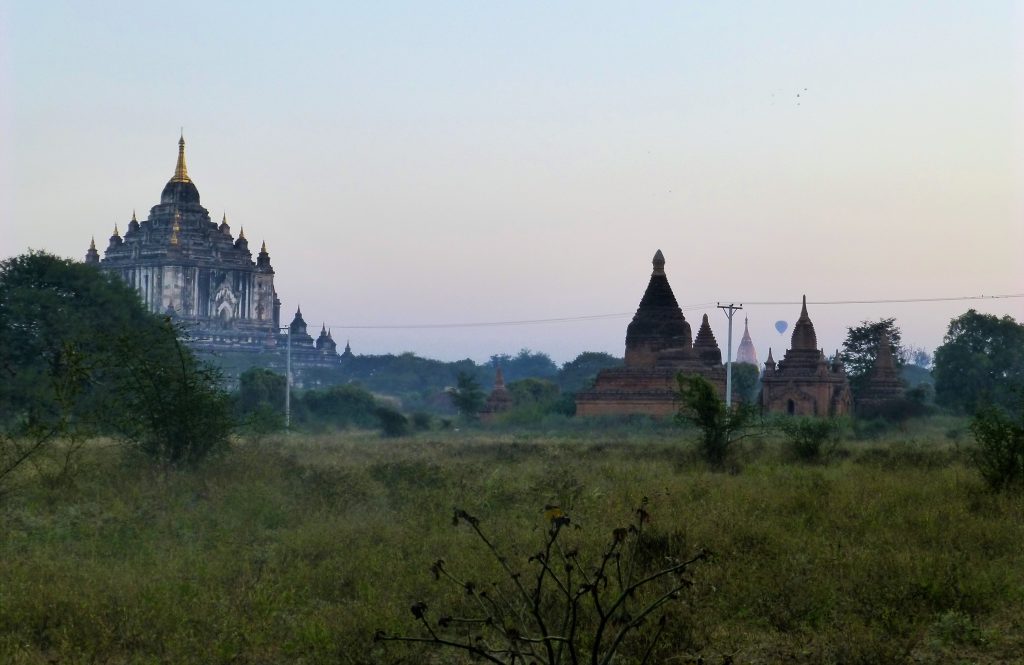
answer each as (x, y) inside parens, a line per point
(659, 346)
(884, 384)
(804, 383)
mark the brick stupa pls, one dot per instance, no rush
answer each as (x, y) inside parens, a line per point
(659, 346)
(499, 401)
(804, 383)
(884, 385)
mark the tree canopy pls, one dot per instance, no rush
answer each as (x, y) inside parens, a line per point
(579, 373)
(861, 348)
(981, 361)
(77, 347)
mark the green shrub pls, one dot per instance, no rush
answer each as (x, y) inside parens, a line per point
(392, 423)
(807, 436)
(421, 421)
(999, 455)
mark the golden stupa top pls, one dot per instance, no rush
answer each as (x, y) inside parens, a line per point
(180, 172)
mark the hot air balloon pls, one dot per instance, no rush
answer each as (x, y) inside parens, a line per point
(781, 326)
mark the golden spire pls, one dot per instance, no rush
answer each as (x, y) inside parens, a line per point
(92, 243)
(180, 172)
(241, 233)
(263, 248)
(133, 215)
(224, 218)
(116, 233)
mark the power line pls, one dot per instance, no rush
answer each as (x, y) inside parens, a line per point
(685, 308)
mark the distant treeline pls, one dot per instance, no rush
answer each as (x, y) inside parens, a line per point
(420, 384)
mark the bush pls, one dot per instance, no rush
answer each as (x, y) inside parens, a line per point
(999, 455)
(421, 421)
(392, 423)
(338, 406)
(558, 606)
(807, 436)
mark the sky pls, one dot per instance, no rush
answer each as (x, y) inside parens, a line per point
(438, 163)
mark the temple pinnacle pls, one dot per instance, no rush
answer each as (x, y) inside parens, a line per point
(180, 172)
(263, 247)
(659, 263)
(116, 232)
(803, 310)
(92, 243)
(241, 233)
(133, 215)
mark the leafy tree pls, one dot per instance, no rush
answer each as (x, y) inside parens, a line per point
(259, 386)
(339, 406)
(533, 391)
(701, 406)
(861, 348)
(525, 364)
(916, 356)
(746, 381)
(579, 374)
(176, 413)
(467, 396)
(981, 360)
(60, 321)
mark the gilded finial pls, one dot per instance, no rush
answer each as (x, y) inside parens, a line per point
(133, 215)
(92, 243)
(116, 232)
(241, 233)
(180, 172)
(224, 218)
(263, 247)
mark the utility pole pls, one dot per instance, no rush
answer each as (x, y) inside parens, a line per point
(288, 380)
(729, 310)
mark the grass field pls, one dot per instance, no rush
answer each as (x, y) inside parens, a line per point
(297, 549)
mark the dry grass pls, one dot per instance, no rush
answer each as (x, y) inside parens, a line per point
(297, 549)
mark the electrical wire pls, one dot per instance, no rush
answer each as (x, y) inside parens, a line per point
(685, 308)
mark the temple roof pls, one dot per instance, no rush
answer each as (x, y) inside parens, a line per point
(658, 314)
(180, 188)
(705, 345)
(746, 353)
(804, 337)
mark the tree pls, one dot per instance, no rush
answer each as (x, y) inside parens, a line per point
(861, 348)
(981, 360)
(701, 406)
(526, 392)
(525, 364)
(746, 381)
(579, 373)
(340, 406)
(258, 387)
(467, 396)
(64, 321)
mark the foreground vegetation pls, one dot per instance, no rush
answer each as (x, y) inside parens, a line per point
(298, 549)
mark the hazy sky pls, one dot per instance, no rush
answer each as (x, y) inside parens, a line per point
(436, 162)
